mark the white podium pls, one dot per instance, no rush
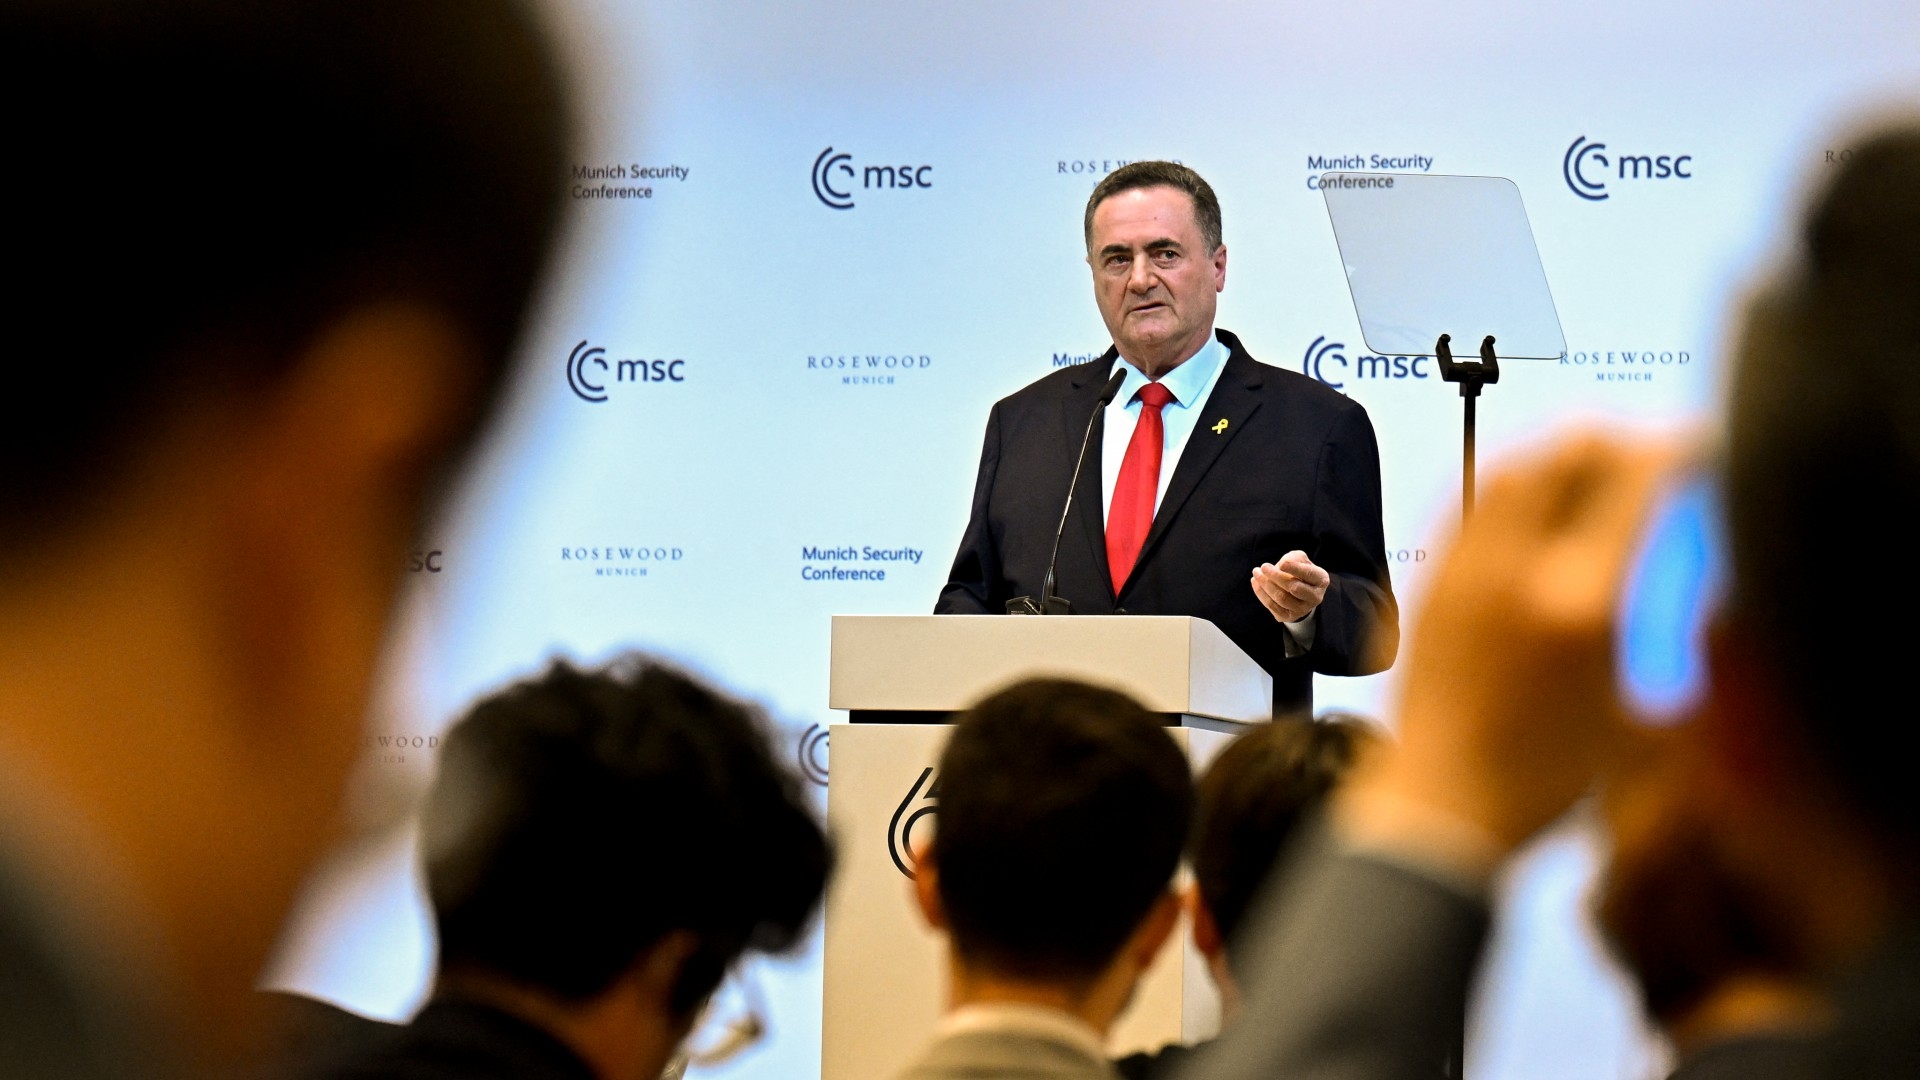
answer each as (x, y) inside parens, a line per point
(900, 678)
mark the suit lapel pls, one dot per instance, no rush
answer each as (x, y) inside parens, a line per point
(1233, 401)
(1079, 406)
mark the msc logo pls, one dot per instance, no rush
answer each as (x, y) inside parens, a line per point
(588, 371)
(922, 799)
(1323, 354)
(419, 561)
(834, 178)
(1587, 168)
(813, 754)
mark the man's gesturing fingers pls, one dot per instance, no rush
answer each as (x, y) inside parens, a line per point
(1292, 589)
(1272, 593)
(1295, 564)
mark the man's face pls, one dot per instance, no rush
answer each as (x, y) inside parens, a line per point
(1155, 281)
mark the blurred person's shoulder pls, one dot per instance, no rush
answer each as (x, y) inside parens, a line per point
(1756, 1057)
(1876, 1035)
(55, 1022)
(312, 1037)
(453, 1040)
(1161, 1064)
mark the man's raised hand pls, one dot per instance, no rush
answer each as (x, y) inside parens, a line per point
(1291, 588)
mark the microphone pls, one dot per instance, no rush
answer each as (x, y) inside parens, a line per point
(1049, 604)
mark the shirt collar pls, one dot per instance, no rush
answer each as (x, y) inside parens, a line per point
(1185, 382)
(1019, 1018)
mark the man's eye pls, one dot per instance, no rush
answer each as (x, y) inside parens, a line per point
(1118, 262)
(1165, 257)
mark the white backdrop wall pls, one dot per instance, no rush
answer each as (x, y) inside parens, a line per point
(824, 371)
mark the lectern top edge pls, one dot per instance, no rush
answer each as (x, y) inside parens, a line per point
(944, 663)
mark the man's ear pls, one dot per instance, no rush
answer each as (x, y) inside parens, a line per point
(926, 891)
(376, 395)
(1206, 932)
(657, 970)
(1154, 930)
(1220, 269)
(332, 466)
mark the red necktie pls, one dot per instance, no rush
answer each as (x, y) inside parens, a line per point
(1131, 514)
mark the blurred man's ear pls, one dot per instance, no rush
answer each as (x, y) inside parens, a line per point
(320, 509)
(628, 1031)
(657, 973)
(1206, 932)
(1154, 930)
(926, 891)
(1212, 946)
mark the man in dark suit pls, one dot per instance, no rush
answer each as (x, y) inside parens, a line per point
(1208, 463)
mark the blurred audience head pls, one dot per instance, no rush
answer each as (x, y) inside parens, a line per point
(1801, 823)
(270, 260)
(610, 842)
(1824, 439)
(579, 817)
(1252, 797)
(1063, 810)
(233, 181)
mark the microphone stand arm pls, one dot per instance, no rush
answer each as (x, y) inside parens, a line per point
(1049, 604)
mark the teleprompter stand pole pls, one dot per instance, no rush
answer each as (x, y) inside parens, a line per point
(1471, 376)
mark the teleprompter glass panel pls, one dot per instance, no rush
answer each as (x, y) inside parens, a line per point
(1427, 255)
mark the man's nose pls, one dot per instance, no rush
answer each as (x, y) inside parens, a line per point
(1141, 277)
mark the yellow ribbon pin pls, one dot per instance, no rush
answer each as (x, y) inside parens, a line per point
(1219, 427)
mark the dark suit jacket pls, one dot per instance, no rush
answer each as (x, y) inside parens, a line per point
(61, 1016)
(310, 1036)
(1295, 466)
(1162, 1064)
(1877, 1035)
(992, 1055)
(1358, 969)
(456, 1040)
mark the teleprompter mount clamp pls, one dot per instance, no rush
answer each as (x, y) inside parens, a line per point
(1471, 376)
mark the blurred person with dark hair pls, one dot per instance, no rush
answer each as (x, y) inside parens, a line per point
(1063, 809)
(1251, 799)
(1249, 803)
(1729, 989)
(599, 848)
(1511, 713)
(269, 260)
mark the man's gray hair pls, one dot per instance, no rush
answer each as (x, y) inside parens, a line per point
(1149, 174)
